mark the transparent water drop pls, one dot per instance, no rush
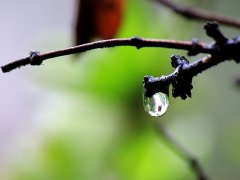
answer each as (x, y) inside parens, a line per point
(156, 105)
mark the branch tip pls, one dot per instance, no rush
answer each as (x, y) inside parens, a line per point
(178, 61)
(213, 31)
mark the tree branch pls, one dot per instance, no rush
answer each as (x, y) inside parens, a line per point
(181, 152)
(36, 58)
(220, 50)
(198, 14)
(181, 79)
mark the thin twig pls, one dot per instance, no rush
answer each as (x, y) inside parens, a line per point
(198, 14)
(182, 152)
(38, 58)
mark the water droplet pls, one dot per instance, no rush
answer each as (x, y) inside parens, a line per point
(156, 105)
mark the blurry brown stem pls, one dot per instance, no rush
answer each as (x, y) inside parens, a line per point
(198, 14)
(182, 152)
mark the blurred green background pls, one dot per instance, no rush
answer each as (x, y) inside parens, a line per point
(85, 120)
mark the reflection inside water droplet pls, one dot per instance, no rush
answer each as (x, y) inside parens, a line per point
(156, 105)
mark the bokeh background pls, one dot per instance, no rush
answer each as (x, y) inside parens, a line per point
(84, 119)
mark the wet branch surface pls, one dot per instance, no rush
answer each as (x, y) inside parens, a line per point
(198, 14)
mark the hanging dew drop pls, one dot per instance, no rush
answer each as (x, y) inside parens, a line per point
(156, 105)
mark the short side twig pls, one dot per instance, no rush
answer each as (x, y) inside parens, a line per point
(38, 58)
(182, 152)
(197, 14)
